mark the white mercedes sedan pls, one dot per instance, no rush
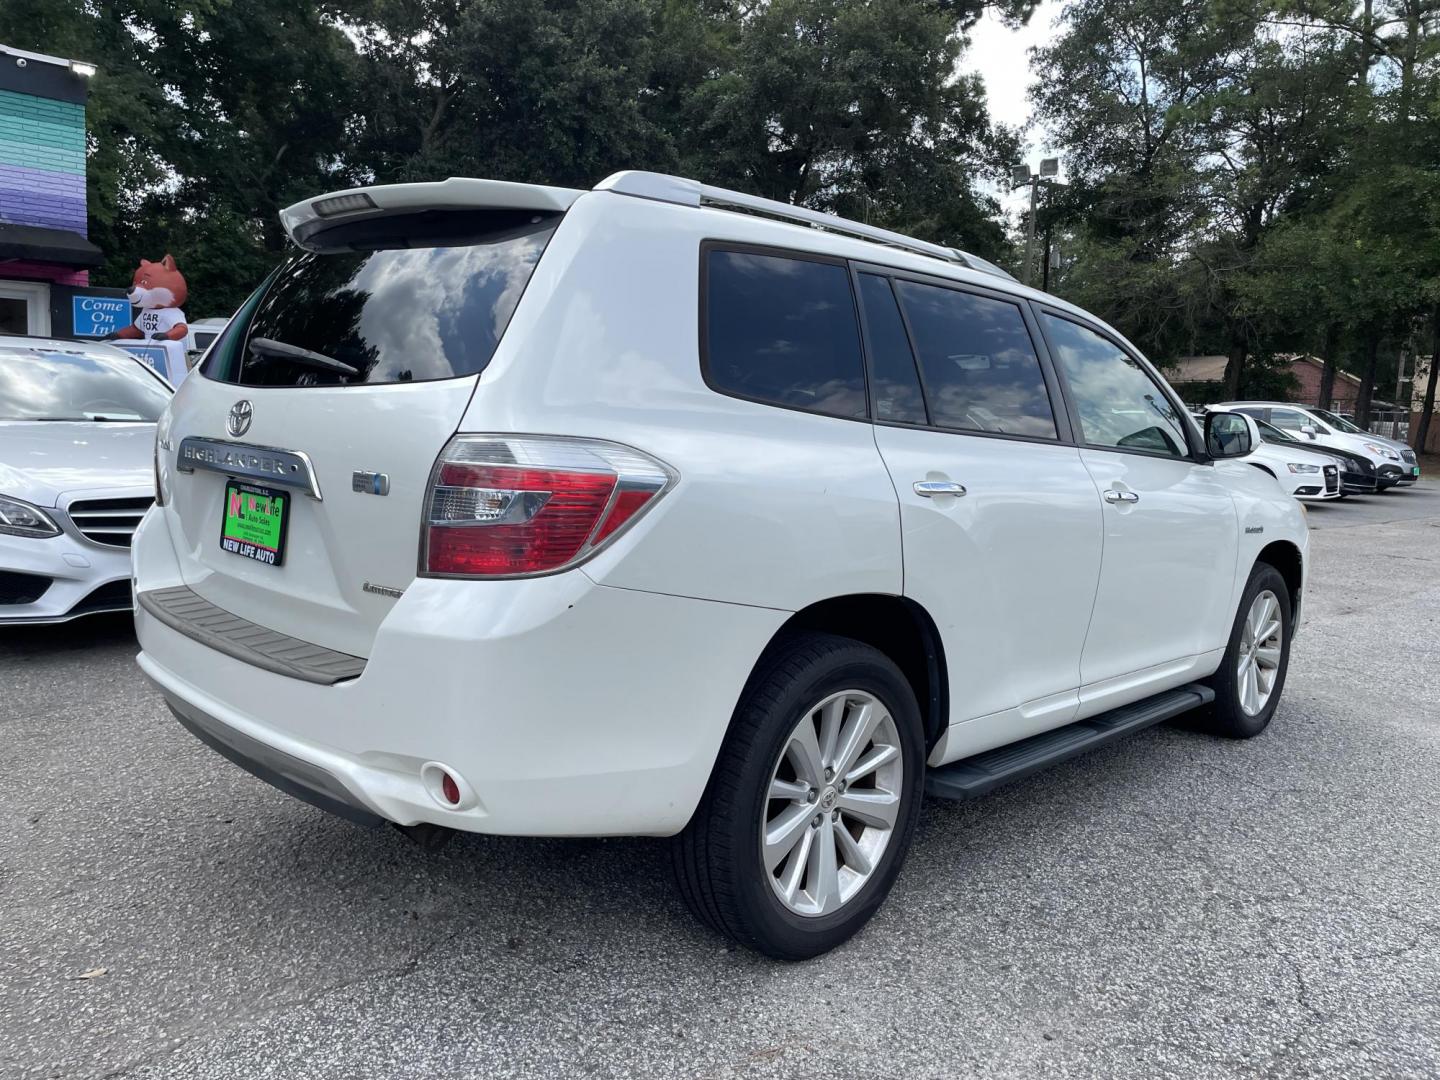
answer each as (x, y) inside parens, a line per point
(77, 438)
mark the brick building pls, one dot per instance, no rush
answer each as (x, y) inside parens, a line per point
(1207, 373)
(1307, 371)
(45, 257)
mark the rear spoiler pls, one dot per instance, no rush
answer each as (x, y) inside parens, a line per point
(305, 218)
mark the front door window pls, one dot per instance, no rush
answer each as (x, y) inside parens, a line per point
(1120, 407)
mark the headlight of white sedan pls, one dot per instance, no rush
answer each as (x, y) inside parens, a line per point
(1302, 468)
(21, 519)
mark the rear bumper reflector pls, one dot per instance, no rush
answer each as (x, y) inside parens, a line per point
(186, 611)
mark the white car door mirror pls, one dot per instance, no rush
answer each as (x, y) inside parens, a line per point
(1228, 435)
(1308, 430)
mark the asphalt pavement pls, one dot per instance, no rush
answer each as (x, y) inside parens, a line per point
(1171, 906)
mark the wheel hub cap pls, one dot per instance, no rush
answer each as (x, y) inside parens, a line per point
(832, 803)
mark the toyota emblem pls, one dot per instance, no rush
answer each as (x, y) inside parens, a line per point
(238, 422)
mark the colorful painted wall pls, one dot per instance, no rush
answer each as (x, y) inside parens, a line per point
(42, 173)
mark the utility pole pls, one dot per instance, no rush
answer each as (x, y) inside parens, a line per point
(1045, 265)
(1030, 233)
(1021, 174)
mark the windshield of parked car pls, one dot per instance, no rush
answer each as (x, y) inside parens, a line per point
(43, 384)
(1338, 421)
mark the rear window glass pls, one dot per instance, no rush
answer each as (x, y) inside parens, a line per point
(394, 300)
(783, 331)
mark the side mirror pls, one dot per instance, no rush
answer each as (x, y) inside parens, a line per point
(1308, 430)
(1229, 434)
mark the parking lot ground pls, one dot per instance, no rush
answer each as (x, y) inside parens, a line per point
(1170, 906)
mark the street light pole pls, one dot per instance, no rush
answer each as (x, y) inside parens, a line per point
(1021, 174)
(1045, 261)
(1030, 233)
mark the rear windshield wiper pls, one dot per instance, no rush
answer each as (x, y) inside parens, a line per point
(270, 347)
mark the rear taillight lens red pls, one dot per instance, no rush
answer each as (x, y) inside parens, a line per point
(511, 506)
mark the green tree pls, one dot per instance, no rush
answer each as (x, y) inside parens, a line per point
(850, 105)
(205, 119)
(549, 91)
(1231, 166)
(209, 116)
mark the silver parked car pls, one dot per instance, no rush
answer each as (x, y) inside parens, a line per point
(77, 444)
(1395, 463)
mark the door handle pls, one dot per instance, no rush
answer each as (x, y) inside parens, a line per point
(1113, 496)
(931, 488)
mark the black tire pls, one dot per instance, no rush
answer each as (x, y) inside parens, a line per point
(717, 858)
(1228, 717)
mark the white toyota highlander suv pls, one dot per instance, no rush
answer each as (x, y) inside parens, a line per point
(661, 509)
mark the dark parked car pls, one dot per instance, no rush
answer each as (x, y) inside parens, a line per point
(1357, 477)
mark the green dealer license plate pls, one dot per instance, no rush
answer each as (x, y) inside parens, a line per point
(254, 522)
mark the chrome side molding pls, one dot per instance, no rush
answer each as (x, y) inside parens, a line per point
(266, 464)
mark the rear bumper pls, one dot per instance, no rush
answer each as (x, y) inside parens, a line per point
(277, 768)
(566, 708)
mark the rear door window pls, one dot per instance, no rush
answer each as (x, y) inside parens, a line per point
(894, 383)
(980, 367)
(391, 300)
(782, 330)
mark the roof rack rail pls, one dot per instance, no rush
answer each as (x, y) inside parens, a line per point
(684, 192)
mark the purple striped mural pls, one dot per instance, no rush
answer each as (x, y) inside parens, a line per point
(42, 197)
(42, 174)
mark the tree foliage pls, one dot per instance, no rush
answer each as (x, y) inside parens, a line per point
(1246, 177)
(1252, 176)
(209, 116)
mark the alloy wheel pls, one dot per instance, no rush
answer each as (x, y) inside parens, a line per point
(1258, 665)
(832, 803)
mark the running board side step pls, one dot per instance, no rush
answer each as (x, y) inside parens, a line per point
(972, 777)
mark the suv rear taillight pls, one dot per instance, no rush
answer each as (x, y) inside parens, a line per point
(513, 506)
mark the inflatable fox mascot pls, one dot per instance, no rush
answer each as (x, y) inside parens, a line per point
(158, 290)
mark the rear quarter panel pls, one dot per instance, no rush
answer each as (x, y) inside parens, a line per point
(773, 507)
